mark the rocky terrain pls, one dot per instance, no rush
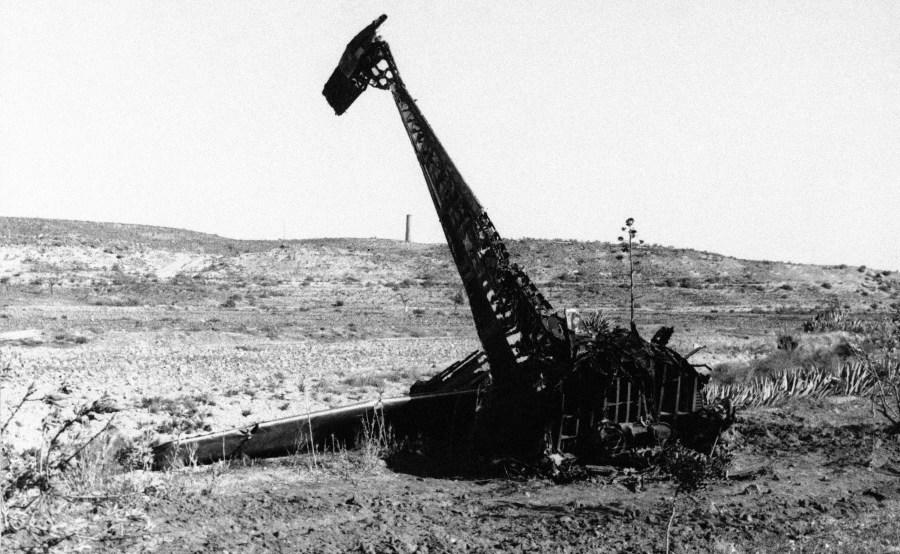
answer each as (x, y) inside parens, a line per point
(181, 332)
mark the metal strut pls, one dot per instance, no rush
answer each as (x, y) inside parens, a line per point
(514, 321)
(511, 316)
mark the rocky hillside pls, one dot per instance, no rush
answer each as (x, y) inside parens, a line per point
(118, 264)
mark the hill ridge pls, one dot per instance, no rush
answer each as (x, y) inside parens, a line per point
(94, 259)
(32, 227)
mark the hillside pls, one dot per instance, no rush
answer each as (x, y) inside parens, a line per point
(163, 308)
(117, 263)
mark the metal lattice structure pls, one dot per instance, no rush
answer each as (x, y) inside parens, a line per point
(541, 374)
(514, 321)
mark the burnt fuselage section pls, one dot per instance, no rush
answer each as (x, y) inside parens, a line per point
(616, 392)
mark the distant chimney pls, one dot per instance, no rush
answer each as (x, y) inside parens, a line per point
(408, 220)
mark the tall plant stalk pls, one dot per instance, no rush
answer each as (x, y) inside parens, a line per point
(627, 243)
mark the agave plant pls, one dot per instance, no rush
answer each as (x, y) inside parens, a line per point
(852, 378)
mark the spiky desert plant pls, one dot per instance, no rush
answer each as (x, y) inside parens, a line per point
(596, 323)
(851, 379)
(856, 379)
(836, 318)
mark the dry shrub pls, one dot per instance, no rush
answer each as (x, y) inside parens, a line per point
(690, 469)
(377, 441)
(53, 495)
(374, 445)
(885, 372)
(375, 380)
(826, 351)
(819, 354)
(231, 301)
(883, 367)
(185, 413)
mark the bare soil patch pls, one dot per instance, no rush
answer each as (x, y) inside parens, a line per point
(184, 332)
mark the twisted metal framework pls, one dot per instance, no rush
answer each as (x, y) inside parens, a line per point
(515, 323)
(586, 386)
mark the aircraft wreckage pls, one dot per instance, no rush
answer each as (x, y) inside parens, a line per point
(543, 383)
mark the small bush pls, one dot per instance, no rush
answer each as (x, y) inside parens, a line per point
(690, 469)
(883, 367)
(71, 463)
(885, 394)
(458, 297)
(271, 331)
(231, 301)
(787, 343)
(375, 380)
(185, 415)
(377, 440)
(116, 301)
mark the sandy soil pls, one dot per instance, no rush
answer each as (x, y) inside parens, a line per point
(829, 483)
(185, 333)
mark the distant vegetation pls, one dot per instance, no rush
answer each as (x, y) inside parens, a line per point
(113, 264)
(863, 361)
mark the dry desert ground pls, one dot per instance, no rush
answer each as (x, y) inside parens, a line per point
(163, 333)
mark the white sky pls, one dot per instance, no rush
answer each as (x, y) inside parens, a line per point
(766, 130)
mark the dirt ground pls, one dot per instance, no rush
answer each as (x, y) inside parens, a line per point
(826, 481)
(824, 489)
(184, 334)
